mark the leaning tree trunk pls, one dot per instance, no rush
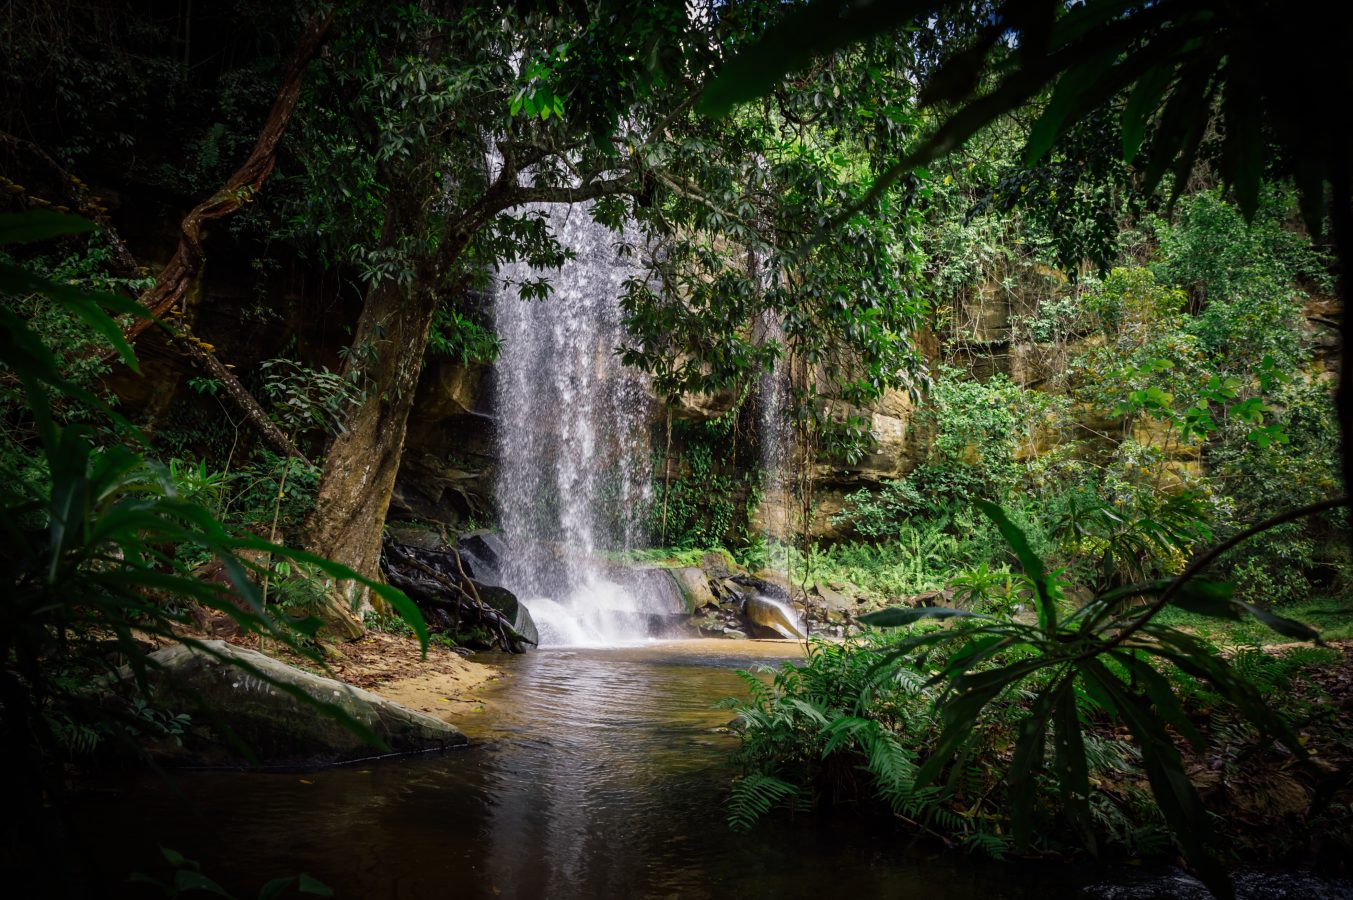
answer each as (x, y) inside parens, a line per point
(360, 468)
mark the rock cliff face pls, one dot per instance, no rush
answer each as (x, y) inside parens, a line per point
(447, 473)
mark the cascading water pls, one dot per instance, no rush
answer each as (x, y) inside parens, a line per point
(573, 475)
(777, 488)
(777, 496)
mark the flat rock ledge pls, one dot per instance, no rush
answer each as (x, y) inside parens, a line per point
(266, 716)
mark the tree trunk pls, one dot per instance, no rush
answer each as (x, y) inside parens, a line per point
(360, 468)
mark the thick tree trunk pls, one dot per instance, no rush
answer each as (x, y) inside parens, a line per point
(359, 471)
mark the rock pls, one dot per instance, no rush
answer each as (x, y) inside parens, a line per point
(414, 534)
(506, 602)
(698, 406)
(693, 585)
(658, 589)
(735, 634)
(837, 605)
(944, 598)
(278, 727)
(736, 589)
(1249, 885)
(486, 546)
(717, 566)
(755, 584)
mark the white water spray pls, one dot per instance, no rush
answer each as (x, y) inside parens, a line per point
(573, 439)
(776, 440)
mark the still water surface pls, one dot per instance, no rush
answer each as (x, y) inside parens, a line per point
(592, 773)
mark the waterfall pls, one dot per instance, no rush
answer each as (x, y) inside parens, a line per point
(574, 464)
(776, 439)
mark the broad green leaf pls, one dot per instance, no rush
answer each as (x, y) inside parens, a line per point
(1028, 560)
(1142, 102)
(897, 616)
(1025, 765)
(309, 885)
(803, 33)
(1073, 776)
(190, 880)
(1283, 625)
(275, 888)
(1071, 88)
(40, 225)
(1175, 795)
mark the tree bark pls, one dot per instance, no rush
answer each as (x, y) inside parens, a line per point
(361, 465)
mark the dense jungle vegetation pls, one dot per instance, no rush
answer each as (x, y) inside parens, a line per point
(1088, 257)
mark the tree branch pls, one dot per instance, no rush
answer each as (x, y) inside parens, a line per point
(173, 282)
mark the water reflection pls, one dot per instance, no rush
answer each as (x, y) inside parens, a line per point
(595, 773)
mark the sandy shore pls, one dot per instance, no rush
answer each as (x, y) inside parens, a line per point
(442, 685)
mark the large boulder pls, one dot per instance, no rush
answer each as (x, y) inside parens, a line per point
(255, 697)
(839, 601)
(693, 583)
(506, 602)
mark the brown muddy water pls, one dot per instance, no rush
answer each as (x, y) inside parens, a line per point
(592, 773)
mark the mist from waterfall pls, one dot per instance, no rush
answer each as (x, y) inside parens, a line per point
(574, 460)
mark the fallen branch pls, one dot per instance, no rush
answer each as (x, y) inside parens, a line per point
(440, 590)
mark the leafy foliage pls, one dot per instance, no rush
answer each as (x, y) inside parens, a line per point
(97, 551)
(1098, 656)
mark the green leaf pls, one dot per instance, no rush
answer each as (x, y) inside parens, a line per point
(308, 885)
(1026, 763)
(1283, 625)
(1175, 795)
(817, 29)
(1074, 84)
(190, 880)
(1073, 774)
(1243, 143)
(1183, 120)
(1142, 102)
(897, 616)
(40, 225)
(1161, 694)
(1029, 561)
(274, 889)
(1206, 597)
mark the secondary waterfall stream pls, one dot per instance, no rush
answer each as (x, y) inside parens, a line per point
(573, 476)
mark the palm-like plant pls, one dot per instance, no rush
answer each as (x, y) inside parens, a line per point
(1108, 656)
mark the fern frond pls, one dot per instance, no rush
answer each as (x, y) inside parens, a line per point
(754, 795)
